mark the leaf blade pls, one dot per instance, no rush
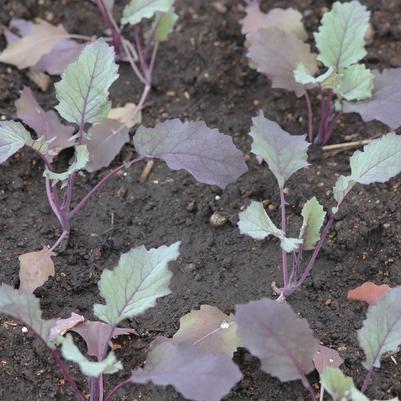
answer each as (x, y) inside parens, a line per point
(340, 38)
(196, 373)
(13, 136)
(278, 337)
(284, 153)
(313, 218)
(136, 10)
(381, 331)
(84, 87)
(140, 277)
(205, 153)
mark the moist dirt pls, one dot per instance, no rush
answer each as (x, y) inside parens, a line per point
(201, 73)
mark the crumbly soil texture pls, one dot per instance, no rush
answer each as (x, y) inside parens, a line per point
(201, 73)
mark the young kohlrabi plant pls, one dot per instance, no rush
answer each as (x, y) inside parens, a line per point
(285, 154)
(97, 134)
(277, 48)
(288, 350)
(44, 48)
(197, 361)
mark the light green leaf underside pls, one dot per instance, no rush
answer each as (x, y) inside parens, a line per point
(134, 285)
(340, 39)
(255, 222)
(313, 218)
(381, 331)
(13, 136)
(379, 161)
(355, 83)
(135, 11)
(83, 91)
(340, 387)
(284, 153)
(165, 24)
(25, 308)
(82, 157)
(89, 368)
(303, 76)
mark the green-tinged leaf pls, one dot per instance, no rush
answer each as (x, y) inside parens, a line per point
(89, 368)
(82, 157)
(284, 153)
(340, 39)
(379, 161)
(381, 331)
(313, 215)
(165, 24)
(135, 11)
(355, 83)
(340, 387)
(210, 329)
(255, 222)
(25, 307)
(13, 136)
(83, 91)
(134, 285)
(303, 75)
(290, 244)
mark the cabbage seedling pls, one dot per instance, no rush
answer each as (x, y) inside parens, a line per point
(285, 154)
(277, 48)
(194, 361)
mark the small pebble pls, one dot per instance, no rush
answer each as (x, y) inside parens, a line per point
(217, 219)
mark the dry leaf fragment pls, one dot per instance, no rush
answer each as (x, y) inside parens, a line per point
(39, 40)
(368, 292)
(35, 269)
(128, 115)
(63, 325)
(326, 357)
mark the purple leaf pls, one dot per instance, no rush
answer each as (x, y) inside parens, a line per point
(62, 54)
(326, 357)
(45, 124)
(104, 142)
(208, 155)
(36, 40)
(63, 325)
(277, 54)
(278, 337)
(97, 334)
(385, 103)
(196, 373)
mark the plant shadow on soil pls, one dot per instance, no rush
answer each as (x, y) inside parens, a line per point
(202, 73)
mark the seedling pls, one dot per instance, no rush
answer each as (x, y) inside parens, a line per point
(285, 154)
(196, 361)
(277, 49)
(101, 132)
(288, 350)
(44, 48)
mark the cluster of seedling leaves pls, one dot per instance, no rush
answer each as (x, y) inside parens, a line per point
(197, 360)
(285, 154)
(278, 49)
(46, 48)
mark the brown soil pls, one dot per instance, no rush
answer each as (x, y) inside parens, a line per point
(202, 73)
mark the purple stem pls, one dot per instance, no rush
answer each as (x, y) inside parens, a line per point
(114, 391)
(310, 116)
(366, 382)
(116, 34)
(316, 250)
(284, 255)
(100, 184)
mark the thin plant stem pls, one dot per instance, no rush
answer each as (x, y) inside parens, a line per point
(310, 116)
(132, 62)
(321, 393)
(284, 255)
(52, 201)
(316, 250)
(108, 19)
(117, 388)
(366, 382)
(101, 183)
